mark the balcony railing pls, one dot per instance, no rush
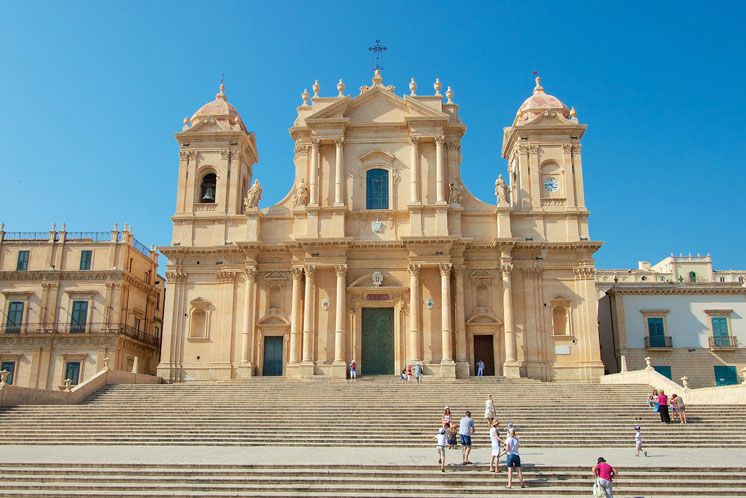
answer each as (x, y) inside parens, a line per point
(723, 342)
(658, 342)
(140, 247)
(89, 236)
(26, 235)
(79, 329)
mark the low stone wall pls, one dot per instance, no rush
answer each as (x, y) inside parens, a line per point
(695, 363)
(723, 395)
(13, 395)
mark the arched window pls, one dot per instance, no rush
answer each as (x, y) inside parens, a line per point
(377, 189)
(692, 277)
(207, 188)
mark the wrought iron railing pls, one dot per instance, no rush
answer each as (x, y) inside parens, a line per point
(81, 329)
(25, 235)
(91, 236)
(723, 342)
(658, 341)
(140, 247)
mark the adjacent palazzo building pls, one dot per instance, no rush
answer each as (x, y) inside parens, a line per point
(379, 252)
(70, 300)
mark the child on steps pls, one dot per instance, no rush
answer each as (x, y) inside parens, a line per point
(638, 441)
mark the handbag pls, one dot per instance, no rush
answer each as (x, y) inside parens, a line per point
(598, 491)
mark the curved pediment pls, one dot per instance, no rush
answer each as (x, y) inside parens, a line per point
(273, 320)
(367, 281)
(484, 317)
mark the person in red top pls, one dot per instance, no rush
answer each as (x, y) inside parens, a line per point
(663, 407)
(604, 474)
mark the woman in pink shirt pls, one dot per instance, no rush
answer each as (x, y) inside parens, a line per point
(604, 474)
(663, 407)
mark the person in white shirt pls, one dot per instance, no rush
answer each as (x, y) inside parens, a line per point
(440, 448)
(638, 441)
(496, 446)
(489, 410)
(514, 459)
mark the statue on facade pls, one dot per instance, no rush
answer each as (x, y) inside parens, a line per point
(456, 192)
(253, 196)
(501, 191)
(301, 193)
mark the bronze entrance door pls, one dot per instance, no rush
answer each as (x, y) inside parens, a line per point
(378, 341)
(484, 350)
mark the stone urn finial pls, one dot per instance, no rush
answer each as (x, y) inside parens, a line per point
(685, 382)
(449, 96)
(3, 377)
(648, 363)
(316, 88)
(304, 96)
(437, 85)
(341, 88)
(106, 363)
(68, 383)
(413, 87)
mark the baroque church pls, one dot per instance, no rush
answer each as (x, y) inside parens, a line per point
(379, 253)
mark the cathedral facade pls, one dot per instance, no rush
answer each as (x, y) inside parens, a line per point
(379, 253)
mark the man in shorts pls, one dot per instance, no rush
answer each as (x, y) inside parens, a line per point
(466, 430)
(418, 372)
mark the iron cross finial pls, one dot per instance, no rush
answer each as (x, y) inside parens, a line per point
(377, 55)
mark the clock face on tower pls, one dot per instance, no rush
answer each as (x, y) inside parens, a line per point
(551, 184)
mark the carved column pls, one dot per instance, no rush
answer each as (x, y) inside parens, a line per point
(341, 308)
(445, 313)
(439, 170)
(294, 312)
(460, 325)
(313, 179)
(338, 172)
(248, 316)
(308, 315)
(414, 313)
(415, 169)
(509, 369)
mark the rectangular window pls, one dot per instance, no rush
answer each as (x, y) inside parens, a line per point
(725, 375)
(377, 189)
(656, 332)
(720, 331)
(79, 316)
(664, 370)
(72, 372)
(85, 260)
(22, 263)
(10, 366)
(15, 317)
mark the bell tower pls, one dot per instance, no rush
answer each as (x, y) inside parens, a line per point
(216, 158)
(545, 168)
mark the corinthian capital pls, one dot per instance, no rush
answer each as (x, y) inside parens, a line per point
(414, 140)
(339, 142)
(250, 272)
(297, 272)
(506, 269)
(445, 269)
(414, 269)
(341, 270)
(310, 270)
(440, 140)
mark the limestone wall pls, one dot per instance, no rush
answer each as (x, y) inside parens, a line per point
(695, 363)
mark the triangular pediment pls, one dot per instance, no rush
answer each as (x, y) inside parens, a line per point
(206, 126)
(376, 105)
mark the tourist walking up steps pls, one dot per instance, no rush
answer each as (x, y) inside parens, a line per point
(440, 448)
(353, 370)
(489, 410)
(466, 430)
(409, 373)
(418, 372)
(638, 442)
(446, 418)
(497, 444)
(604, 474)
(663, 407)
(514, 459)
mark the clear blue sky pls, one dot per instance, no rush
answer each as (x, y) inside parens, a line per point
(93, 91)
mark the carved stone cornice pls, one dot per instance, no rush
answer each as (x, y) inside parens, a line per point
(176, 277)
(226, 276)
(47, 275)
(413, 269)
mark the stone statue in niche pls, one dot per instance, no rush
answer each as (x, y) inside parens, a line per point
(456, 192)
(301, 193)
(253, 196)
(501, 191)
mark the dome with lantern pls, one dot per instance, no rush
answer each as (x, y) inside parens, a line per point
(540, 103)
(219, 111)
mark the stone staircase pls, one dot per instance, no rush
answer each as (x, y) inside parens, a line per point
(364, 413)
(380, 481)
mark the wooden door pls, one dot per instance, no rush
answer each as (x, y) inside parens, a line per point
(484, 350)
